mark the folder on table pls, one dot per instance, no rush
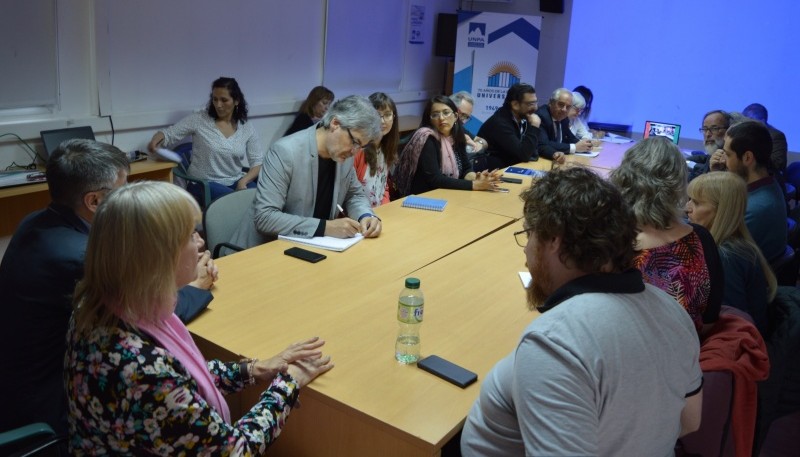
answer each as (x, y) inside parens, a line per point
(431, 204)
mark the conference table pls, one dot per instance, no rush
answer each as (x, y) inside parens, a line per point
(475, 310)
(19, 201)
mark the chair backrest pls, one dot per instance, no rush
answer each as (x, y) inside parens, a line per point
(185, 151)
(224, 215)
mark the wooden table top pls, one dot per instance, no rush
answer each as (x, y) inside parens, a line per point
(266, 300)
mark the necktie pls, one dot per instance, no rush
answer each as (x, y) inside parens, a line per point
(558, 131)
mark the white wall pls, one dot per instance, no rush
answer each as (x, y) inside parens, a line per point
(148, 63)
(674, 61)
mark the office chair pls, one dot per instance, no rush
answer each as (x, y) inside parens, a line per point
(199, 188)
(37, 439)
(223, 216)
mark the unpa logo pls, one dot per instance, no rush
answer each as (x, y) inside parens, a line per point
(503, 74)
(476, 35)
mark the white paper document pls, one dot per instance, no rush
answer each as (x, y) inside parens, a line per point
(525, 277)
(325, 242)
(588, 154)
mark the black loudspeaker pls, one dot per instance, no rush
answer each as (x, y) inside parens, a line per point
(446, 31)
(551, 6)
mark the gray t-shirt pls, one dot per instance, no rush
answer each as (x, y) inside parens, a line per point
(598, 374)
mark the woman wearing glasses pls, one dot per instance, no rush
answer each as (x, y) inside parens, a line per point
(372, 163)
(436, 156)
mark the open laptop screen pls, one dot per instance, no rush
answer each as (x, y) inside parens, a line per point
(671, 131)
(52, 138)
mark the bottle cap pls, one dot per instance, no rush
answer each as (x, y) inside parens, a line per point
(412, 283)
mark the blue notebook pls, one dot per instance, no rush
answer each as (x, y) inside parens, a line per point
(431, 204)
(525, 171)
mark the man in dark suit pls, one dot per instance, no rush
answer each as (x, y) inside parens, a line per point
(513, 130)
(38, 274)
(556, 139)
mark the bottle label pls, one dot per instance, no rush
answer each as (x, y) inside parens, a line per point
(409, 314)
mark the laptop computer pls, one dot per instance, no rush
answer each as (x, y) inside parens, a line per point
(671, 131)
(53, 138)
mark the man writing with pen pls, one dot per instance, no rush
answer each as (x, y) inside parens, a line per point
(308, 181)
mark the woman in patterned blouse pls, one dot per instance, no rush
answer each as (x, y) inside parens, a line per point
(136, 382)
(679, 258)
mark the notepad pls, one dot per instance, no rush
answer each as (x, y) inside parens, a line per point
(430, 204)
(325, 242)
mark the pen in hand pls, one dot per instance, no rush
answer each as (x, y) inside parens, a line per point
(341, 211)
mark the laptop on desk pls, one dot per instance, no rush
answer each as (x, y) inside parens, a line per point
(53, 138)
(670, 131)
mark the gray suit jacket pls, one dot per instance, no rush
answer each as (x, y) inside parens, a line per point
(287, 192)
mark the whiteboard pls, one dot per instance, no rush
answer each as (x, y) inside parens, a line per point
(160, 55)
(365, 45)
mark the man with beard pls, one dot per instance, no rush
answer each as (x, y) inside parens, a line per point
(715, 123)
(582, 379)
(747, 148)
(513, 130)
(555, 136)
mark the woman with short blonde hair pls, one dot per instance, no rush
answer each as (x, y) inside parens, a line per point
(718, 201)
(136, 382)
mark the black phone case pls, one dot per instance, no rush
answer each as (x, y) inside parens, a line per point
(448, 371)
(511, 180)
(303, 254)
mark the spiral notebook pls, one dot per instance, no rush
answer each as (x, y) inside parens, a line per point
(431, 204)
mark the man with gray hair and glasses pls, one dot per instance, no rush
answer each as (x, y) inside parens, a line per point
(38, 274)
(308, 176)
(465, 104)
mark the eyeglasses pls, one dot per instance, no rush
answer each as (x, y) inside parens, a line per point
(356, 144)
(464, 117)
(521, 240)
(386, 117)
(714, 130)
(441, 114)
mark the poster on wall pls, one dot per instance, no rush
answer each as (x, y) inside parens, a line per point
(493, 52)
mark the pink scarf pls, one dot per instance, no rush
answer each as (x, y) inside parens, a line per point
(175, 338)
(407, 166)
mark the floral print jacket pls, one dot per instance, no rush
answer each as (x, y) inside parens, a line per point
(127, 395)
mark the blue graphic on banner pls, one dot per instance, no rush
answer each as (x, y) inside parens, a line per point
(477, 35)
(494, 51)
(522, 29)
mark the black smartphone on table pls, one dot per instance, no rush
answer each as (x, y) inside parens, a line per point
(448, 371)
(304, 254)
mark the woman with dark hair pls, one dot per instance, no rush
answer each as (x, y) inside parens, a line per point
(588, 96)
(221, 140)
(372, 163)
(311, 111)
(678, 258)
(436, 156)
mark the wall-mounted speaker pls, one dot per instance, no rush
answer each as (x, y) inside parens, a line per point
(446, 31)
(551, 6)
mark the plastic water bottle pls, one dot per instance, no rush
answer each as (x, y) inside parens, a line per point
(409, 319)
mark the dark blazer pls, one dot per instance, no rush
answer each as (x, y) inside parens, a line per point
(547, 139)
(507, 146)
(38, 274)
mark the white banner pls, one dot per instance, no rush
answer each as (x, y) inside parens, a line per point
(493, 52)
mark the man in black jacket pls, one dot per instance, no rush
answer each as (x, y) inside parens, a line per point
(38, 274)
(513, 130)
